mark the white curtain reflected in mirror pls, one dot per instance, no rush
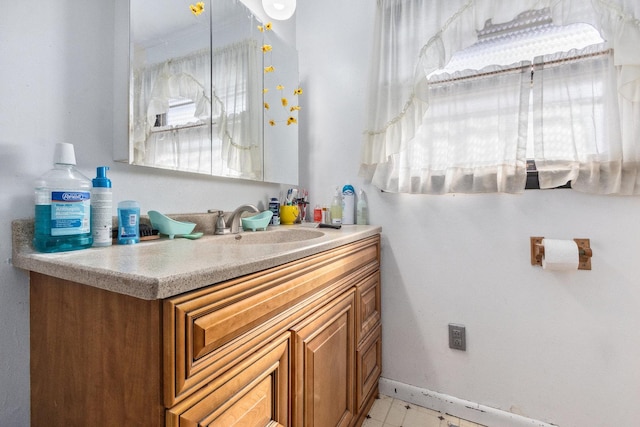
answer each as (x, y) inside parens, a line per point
(237, 101)
(173, 114)
(196, 88)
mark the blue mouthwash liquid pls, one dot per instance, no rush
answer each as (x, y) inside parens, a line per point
(43, 241)
(62, 206)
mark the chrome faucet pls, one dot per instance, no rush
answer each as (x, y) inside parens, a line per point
(233, 223)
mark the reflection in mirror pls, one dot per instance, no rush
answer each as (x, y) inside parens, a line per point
(170, 86)
(281, 139)
(196, 91)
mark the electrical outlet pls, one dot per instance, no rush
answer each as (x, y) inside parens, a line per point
(457, 337)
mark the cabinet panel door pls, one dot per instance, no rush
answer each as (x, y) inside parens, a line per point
(254, 393)
(367, 305)
(94, 356)
(368, 365)
(324, 366)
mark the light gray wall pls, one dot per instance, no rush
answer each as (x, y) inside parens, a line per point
(559, 347)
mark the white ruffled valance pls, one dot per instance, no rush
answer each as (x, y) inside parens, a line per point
(401, 94)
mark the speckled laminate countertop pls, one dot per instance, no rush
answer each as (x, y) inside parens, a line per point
(162, 268)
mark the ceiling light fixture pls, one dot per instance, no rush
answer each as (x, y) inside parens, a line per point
(279, 9)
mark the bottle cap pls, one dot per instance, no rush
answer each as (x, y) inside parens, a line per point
(128, 204)
(348, 188)
(64, 154)
(101, 179)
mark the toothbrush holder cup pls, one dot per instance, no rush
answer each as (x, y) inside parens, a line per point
(288, 214)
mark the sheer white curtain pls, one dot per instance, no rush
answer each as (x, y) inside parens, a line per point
(223, 137)
(186, 149)
(471, 139)
(416, 37)
(186, 146)
(237, 101)
(587, 112)
(576, 122)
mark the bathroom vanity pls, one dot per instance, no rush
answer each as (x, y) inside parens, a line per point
(213, 332)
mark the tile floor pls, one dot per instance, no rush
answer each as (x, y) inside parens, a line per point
(389, 412)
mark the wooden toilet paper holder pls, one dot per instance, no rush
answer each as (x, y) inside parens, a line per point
(584, 252)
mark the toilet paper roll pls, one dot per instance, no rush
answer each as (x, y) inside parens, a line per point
(560, 255)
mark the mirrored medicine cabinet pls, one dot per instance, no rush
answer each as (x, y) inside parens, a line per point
(200, 96)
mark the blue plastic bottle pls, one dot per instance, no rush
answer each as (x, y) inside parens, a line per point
(101, 208)
(62, 206)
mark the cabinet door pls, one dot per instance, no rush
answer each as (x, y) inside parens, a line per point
(367, 305)
(254, 393)
(323, 366)
(368, 366)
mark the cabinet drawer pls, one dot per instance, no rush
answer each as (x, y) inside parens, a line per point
(367, 305)
(369, 365)
(255, 392)
(207, 330)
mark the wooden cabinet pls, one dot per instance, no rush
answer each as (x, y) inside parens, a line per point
(369, 367)
(369, 338)
(297, 345)
(324, 363)
(255, 392)
(95, 356)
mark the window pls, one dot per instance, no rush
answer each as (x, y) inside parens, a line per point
(435, 127)
(531, 35)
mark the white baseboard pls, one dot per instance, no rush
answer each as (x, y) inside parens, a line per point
(457, 407)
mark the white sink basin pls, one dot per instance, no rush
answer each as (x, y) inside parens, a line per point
(271, 237)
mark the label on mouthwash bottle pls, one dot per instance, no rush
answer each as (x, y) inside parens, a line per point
(70, 212)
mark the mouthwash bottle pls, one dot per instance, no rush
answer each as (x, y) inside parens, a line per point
(62, 205)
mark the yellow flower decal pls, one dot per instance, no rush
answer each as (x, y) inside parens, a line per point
(197, 9)
(275, 116)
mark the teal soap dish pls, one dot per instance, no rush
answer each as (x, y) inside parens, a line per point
(257, 222)
(168, 226)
